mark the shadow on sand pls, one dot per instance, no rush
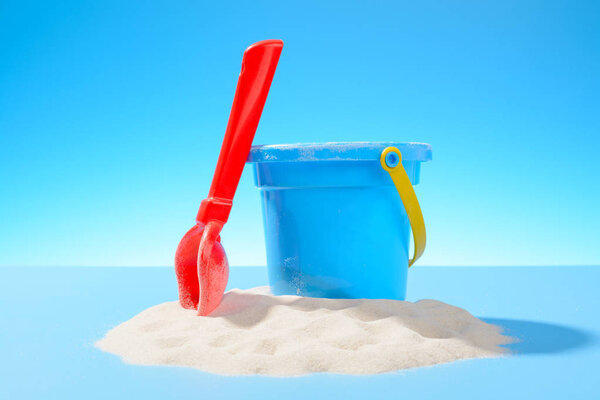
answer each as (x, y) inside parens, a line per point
(541, 337)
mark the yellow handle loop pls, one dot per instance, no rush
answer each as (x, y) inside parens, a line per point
(391, 161)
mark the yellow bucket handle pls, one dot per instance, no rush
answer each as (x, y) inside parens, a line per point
(391, 161)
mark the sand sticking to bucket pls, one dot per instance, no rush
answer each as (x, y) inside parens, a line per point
(253, 332)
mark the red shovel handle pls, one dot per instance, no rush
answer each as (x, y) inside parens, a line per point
(258, 68)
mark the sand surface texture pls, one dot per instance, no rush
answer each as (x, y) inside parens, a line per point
(253, 332)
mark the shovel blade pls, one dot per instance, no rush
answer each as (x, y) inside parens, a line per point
(213, 269)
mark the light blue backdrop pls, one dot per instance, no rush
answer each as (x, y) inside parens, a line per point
(112, 114)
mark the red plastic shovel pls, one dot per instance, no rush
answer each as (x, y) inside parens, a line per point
(200, 261)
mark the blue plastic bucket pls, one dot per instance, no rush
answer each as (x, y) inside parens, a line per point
(334, 223)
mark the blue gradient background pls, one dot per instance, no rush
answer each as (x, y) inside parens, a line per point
(112, 114)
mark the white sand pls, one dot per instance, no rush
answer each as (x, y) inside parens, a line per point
(253, 332)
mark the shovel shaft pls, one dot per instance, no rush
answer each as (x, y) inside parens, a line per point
(258, 67)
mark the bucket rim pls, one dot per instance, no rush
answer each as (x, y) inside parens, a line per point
(332, 151)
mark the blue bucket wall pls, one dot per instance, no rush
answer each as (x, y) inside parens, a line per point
(334, 228)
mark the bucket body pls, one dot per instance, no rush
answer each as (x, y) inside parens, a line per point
(334, 223)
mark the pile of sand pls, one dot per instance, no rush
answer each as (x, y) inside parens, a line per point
(253, 332)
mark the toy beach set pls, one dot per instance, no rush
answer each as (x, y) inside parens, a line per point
(337, 219)
(337, 216)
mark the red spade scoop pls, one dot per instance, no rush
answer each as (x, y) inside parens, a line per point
(200, 262)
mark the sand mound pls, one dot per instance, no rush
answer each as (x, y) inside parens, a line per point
(253, 332)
